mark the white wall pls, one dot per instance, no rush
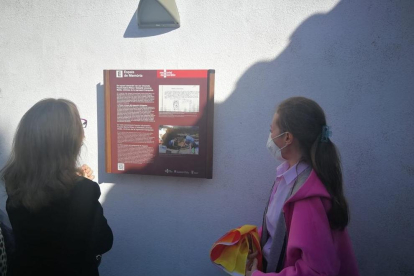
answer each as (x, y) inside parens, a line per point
(356, 58)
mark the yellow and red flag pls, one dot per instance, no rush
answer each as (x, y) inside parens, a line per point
(230, 251)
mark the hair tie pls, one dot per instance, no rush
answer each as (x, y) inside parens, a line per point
(326, 133)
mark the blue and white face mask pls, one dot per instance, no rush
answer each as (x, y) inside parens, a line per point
(274, 150)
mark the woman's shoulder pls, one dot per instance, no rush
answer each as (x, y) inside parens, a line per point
(312, 187)
(86, 188)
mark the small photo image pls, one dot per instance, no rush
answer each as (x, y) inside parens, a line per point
(178, 139)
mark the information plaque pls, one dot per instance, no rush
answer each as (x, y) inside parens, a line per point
(159, 122)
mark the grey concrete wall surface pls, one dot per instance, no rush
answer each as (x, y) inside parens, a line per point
(355, 58)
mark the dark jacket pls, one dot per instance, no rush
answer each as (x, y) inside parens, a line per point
(62, 238)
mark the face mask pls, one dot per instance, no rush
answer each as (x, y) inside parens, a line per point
(274, 150)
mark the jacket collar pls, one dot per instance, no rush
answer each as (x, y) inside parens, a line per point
(313, 187)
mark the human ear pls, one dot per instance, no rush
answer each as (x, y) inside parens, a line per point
(288, 138)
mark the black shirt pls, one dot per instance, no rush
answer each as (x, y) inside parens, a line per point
(64, 237)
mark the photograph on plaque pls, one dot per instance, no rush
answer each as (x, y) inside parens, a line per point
(159, 122)
(179, 140)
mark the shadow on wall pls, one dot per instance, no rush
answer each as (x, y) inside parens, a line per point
(355, 65)
(3, 152)
(356, 61)
(132, 31)
(3, 195)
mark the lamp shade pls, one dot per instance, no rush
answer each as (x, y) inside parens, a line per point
(158, 14)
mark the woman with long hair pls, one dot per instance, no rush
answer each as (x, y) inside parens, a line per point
(57, 220)
(304, 224)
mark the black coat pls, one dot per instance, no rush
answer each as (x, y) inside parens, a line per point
(62, 238)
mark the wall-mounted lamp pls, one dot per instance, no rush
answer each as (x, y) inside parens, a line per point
(158, 14)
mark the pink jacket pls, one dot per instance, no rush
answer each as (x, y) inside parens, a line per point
(313, 248)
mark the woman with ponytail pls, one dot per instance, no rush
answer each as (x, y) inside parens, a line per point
(304, 224)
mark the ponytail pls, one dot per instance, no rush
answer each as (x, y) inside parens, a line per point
(327, 165)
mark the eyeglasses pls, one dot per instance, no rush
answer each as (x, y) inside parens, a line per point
(84, 123)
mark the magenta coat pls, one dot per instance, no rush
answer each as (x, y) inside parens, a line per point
(313, 248)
